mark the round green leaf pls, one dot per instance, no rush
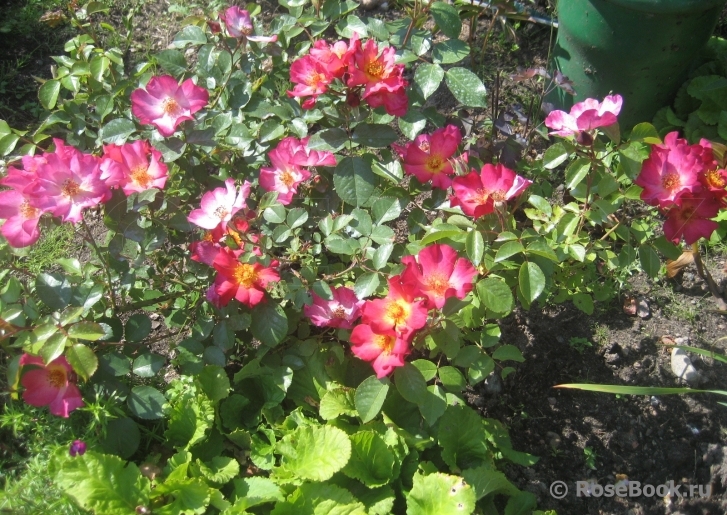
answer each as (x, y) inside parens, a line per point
(115, 364)
(531, 281)
(147, 365)
(137, 327)
(189, 35)
(366, 284)
(447, 19)
(466, 87)
(374, 135)
(215, 382)
(426, 367)
(122, 437)
(410, 383)
(370, 397)
(83, 360)
(146, 402)
(452, 379)
(495, 294)
(372, 462)
(314, 452)
(354, 181)
(116, 131)
(269, 323)
(584, 302)
(440, 494)
(48, 93)
(54, 290)
(428, 77)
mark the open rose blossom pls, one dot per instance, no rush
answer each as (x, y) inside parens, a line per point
(385, 349)
(674, 168)
(439, 273)
(219, 205)
(311, 79)
(398, 311)
(428, 156)
(584, 116)
(21, 219)
(135, 167)
(477, 193)
(245, 282)
(341, 311)
(52, 385)
(165, 104)
(691, 218)
(239, 25)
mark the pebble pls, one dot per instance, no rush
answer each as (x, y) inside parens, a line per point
(682, 367)
(551, 401)
(553, 439)
(683, 340)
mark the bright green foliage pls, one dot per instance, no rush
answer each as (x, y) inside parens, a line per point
(440, 494)
(314, 453)
(372, 461)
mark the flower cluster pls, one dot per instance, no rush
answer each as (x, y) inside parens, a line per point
(290, 160)
(685, 182)
(355, 70)
(219, 213)
(65, 182)
(389, 325)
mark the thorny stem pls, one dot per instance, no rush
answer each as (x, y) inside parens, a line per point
(704, 274)
(91, 240)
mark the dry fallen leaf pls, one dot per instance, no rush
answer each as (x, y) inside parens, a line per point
(673, 267)
(53, 18)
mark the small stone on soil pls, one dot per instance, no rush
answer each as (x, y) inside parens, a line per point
(682, 367)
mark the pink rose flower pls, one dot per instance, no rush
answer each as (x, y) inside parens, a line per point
(342, 311)
(220, 205)
(690, 218)
(398, 311)
(428, 156)
(165, 104)
(385, 349)
(21, 219)
(135, 167)
(438, 273)
(51, 385)
(477, 193)
(239, 25)
(584, 116)
(245, 282)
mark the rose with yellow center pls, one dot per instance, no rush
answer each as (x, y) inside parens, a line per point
(397, 312)
(140, 175)
(437, 284)
(171, 107)
(28, 211)
(70, 188)
(498, 196)
(287, 178)
(245, 275)
(670, 181)
(221, 212)
(339, 312)
(481, 196)
(57, 377)
(715, 179)
(434, 164)
(375, 69)
(385, 342)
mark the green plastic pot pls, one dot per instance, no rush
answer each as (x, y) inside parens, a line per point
(640, 49)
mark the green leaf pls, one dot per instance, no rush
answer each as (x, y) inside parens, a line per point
(645, 132)
(314, 452)
(410, 383)
(434, 405)
(297, 217)
(370, 397)
(450, 51)
(275, 214)
(102, 483)
(650, 261)
(412, 123)
(331, 140)
(90, 331)
(374, 135)
(667, 248)
(215, 382)
(335, 403)
(189, 35)
(269, 323)
(381, 256)
(635, 390)
(137, 327)
(426, 367)
(584, 302)
(386, 209)
(508, 352)
(496, 295)
(53, 347)
(576, 172)
(122, 437)
(252, 491)
(475, 246)
(486, 481)
(54, 290)
(372, 461)
(116, 131)
(531, 281)
(115, 364)
(366, 284)
(466, 87)
(7, 143)
(508, 249)
(219, 470)
(190, 417)
(146, 402)
(555, 156)
(452, 379)
(354, 181)
(172, 62)
(440, 494)
(147, 365)
(99, 66)
(447, 19)
(462, 438)
(428, 77)
(48, 93)
(83, 360)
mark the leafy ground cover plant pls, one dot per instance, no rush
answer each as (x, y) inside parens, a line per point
(242, 187)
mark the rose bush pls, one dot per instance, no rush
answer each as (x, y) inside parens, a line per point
(325, 300)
